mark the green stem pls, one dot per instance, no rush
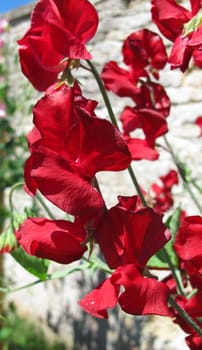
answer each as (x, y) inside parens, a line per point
(186, 185)
(181, 312)
(99, 264)
(185, 316)
(176, 273)
(114, 121)
(53, 276)
(104, 93)
(43, 204)
(10, 200)
(17, 289)
(138, 189)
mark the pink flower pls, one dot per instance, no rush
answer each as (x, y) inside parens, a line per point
(3, 25)
(2, 111)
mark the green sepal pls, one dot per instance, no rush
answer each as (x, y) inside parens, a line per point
(36, 266)
(194, 23)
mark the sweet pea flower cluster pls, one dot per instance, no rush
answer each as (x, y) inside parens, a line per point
(69, 144)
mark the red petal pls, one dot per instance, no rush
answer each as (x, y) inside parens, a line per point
(62, 185)
(101, 298)
(56, 240)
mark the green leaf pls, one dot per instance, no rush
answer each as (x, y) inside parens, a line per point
(36, 266)
(159, 260)
(173, 222)
(194, 23)
(5, 333)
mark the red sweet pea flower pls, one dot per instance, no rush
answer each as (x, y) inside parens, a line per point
(151, 122)
(194, 342)
(193, 307)
(188, 244)
(141, 149)
(59, 30)
(153, 96)
(183, 49)
(57, 240)
(128, 237)
(143, 49)
(69, 149)
(142, 296)
(153, 125)
(145, 94)
(120, 81)
(144, 53)
(169, 16)
(198, 122)
(162, 194)
(172, 20)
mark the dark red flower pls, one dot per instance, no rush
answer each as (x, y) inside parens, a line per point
(194, 342)
(153, 96)
(151, 122)
(143, 49)
(169, 16)
(193, 308)
(141, 149)
(70, 147)
(174, 21)
(198, 122)
(183, 49)
(59, 30)
(119, 80)
(141, 296)
(144, 53)
(153, 125)
(188, 244)
(128, 237)
(57, 240)
(163, 199)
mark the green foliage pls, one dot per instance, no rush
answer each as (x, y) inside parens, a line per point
(159, 260)
(35, 266)
(21, 334)
(12, 145)
(194, 23)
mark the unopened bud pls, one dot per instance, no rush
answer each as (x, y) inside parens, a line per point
(8, 241)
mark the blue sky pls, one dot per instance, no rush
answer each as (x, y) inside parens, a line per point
(6, 5)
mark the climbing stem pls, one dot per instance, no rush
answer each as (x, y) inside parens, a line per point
(114, 121)
(43, 204)
(175, 272)
(103, 92)
(186, 184)
(10, 200)
(185, 316)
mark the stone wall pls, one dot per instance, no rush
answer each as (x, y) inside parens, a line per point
(54, 303)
